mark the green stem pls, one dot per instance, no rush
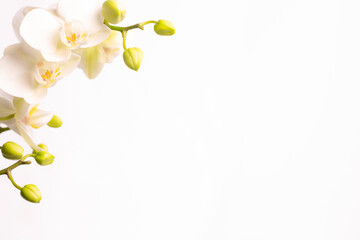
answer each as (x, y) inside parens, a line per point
(148, 22)
(124, 30)
(12, 180)
(15, 165)
(7, 118)
(121, 29)
(123, 33)
(4, 129)
(8, 170)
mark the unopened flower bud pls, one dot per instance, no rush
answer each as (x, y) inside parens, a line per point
(43, 147)
(113, 11)
(164, 28)
(31, 193)
(133, 58)
(55, 122)
(11, 150)
(44, 158)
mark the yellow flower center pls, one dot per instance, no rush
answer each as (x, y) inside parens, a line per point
(73, 34)
(47, 73)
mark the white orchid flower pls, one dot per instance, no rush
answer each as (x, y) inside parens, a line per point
(25, 74)
(77, 23)
(20, 15)
(22, 117)
(18, 18)
(94, 58)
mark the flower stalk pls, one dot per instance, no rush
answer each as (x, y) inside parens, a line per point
(135, 26)
(17, 164)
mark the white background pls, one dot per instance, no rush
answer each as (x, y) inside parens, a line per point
(243, 125)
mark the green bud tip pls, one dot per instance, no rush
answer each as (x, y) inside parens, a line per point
(31, 193)
(43, 147)
(113, 11)
(11, 150)
(133, 58)
(164, 28)
(55, 122)
(44, 158)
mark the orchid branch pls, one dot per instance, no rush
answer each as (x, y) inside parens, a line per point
(17, 164)
(121, 29)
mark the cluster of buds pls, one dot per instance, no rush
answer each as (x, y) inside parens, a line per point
(114, 12)
(53, 42)
(13, 151)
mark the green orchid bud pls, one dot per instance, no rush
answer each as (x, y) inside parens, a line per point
(164, 28)
(113, 11)
(133, 58)
(55, 122)
(44, 158)
(43, 147)
(11, 150)
(31, 193)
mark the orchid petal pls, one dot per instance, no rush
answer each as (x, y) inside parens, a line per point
(6, 108)
(12, 125)
(112, 46)
(16, 73)
(40, 29)
(39, 94)
(39, 118)
(18, 18)
(59, 55)
(97, 38)
(6, 96)
(24, 131)
(70, 64)
(92, 61)
(32, 55)
(25, 52)
(27, 133)
(22, 108)
(114, 40)
(86, 11)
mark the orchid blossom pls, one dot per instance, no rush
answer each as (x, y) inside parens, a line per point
(25, 74)
(74, 24)
(22, 118)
